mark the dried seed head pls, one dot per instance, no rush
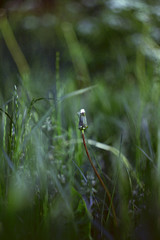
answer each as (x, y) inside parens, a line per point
(82, 120)
(82, 111)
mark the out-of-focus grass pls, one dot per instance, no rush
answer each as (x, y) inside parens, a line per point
(47, 187)
(38, 196)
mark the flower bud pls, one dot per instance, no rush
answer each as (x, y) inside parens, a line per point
(82, 120)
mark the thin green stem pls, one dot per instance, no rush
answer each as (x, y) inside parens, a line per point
(100, 179)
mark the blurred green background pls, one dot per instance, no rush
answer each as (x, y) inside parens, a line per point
(113, 44)
(62, 56)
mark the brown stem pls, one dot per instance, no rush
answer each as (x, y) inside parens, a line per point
(100, 179)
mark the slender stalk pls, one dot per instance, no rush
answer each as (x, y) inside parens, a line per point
(100, 179)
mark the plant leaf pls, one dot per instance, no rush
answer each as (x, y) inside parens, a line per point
(118, 154)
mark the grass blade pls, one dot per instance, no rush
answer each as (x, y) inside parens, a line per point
(118, 154)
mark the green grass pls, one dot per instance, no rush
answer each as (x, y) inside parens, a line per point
(48, 189)
(37, 183)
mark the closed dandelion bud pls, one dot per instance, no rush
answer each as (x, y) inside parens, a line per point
(82, 120)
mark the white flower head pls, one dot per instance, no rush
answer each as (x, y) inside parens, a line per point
(82, 120)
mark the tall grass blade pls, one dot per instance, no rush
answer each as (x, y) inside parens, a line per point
(117, 153)
(78, 60)
(10, 164)
(13, 47)
(77, 92)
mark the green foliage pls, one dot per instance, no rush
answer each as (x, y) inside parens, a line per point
(102, 56)
(37, 175)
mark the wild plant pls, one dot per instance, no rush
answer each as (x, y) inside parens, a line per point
(82, 126)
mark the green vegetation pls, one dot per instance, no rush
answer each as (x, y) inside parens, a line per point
(102, 56)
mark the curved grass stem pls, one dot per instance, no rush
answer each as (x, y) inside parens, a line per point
(100, 179)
